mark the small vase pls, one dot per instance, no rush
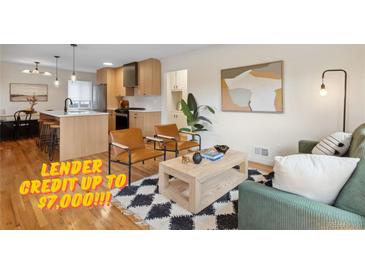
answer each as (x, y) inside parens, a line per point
(197, 158)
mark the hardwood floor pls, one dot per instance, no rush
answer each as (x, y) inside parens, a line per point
(21, 160)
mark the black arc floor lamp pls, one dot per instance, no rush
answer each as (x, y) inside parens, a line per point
(323, 92)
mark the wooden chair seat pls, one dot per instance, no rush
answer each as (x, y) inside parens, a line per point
(181, 145)
(54, 126)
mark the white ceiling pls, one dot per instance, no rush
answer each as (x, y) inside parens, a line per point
(89, 57)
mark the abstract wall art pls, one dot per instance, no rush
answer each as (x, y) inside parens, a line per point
(255, 88)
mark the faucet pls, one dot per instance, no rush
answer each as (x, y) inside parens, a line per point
(65, 109)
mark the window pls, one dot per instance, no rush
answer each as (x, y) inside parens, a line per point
(81, 94)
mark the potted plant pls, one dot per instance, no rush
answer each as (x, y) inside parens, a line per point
(32, 100)
(196, 121)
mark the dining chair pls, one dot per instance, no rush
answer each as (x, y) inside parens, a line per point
(22, 123)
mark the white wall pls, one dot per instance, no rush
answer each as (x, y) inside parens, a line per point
(307, 115)
(11, 73)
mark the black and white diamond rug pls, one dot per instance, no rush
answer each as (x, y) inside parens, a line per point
(143, 200)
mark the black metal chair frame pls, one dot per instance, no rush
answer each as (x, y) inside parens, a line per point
(129, 164)
(18, 122)
(52, 142)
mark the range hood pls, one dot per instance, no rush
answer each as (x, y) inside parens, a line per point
(130, 75)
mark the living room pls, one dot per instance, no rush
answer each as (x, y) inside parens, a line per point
(222, 136)
(262, 135)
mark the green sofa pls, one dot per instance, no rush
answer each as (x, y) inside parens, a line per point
(263, 207)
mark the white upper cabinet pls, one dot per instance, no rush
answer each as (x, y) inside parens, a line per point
(179, 80)
(171, 81)
(177, 89)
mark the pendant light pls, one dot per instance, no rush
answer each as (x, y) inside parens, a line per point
(57, 82)
(36, 70)
(73, 75)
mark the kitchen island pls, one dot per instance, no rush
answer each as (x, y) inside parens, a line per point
(82, 133)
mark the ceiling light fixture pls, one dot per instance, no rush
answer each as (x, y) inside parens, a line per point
(107, 64)
(57, 82)
(36, 70)
(73, 75)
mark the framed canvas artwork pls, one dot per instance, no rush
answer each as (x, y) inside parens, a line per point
(20, 92)
(255, 88)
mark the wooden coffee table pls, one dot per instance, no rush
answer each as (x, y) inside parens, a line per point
(194, 187)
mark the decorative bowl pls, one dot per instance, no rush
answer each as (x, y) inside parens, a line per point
(221, 148)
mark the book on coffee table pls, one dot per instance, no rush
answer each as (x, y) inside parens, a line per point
(212, 155)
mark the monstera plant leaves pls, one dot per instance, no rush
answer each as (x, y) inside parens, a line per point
(199, 126)
(192, 103)
(207, 107)
(204, 119)
(193, 117)
(185, 109)
(185, 129)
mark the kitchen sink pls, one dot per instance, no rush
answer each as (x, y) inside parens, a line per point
(77, 111)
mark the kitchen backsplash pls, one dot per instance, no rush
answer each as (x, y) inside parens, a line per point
(147, 102)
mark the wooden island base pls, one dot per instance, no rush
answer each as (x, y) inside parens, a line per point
(81, 136)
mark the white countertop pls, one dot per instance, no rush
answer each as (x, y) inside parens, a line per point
(146, 110)
(74, 113)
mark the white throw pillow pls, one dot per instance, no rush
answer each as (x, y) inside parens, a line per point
(336, 144)
(317, 177)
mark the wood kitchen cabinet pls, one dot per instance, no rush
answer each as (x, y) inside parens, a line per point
(119, 88)
(101, 76)
(146, 121)
(106, 76)
(149, 77)
(136, 120)
(111, 120)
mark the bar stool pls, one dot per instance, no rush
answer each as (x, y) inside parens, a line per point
(45, 133)
(41, 129)
(54, 139)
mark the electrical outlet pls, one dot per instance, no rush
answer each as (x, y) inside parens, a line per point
(265, 152)
(261, 151)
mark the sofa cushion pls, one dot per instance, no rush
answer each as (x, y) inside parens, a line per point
(317, 177)
(352, 195)
(357, 147)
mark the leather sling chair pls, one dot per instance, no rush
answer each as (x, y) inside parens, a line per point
(172, 141)
(127, 147)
